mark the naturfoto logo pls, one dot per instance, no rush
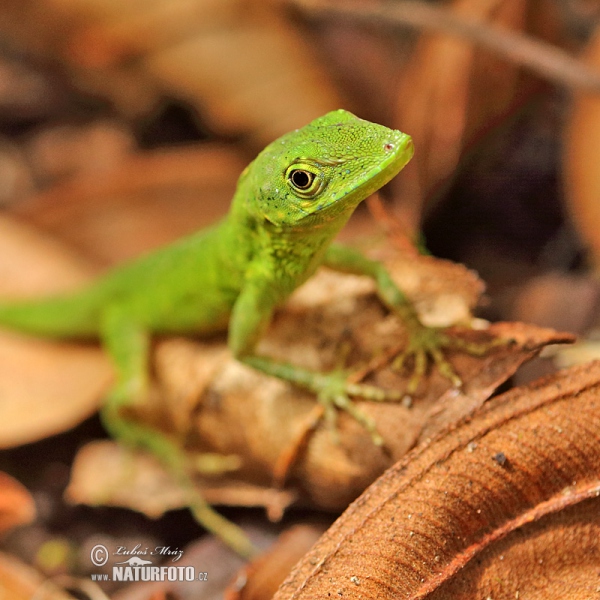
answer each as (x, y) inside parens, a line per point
(136, 568)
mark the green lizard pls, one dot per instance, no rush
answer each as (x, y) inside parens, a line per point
(290, 203)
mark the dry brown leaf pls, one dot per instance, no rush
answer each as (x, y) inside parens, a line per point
(582, 178)
(32, 264)
(16, 503)
(240, 64)
(19, 581)
(542, 300)
(207, 555)
(259, 579)
(269, 422)
(15, 172)
(45, 387)
(148, 199)
(444, 99)
(27, 94)
(60, 151)
(257, 75)
(453, 405)
(108, 474)
(506, 503)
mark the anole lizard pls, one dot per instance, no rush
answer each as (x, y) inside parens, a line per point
(290, 203)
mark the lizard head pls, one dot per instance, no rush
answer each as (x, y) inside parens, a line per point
(323, 171)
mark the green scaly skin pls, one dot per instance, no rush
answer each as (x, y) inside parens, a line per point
(290, 203)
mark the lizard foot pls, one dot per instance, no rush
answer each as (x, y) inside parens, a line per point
(334, 393)
(430, 344)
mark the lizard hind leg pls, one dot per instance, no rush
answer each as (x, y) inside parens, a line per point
(128, 344)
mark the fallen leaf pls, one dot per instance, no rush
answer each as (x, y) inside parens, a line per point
(15, 172)
(542, 301)
(582, 181)
(242, 65)
(16, 503)
(144, 201)
(505, 503)
(262, 419)
(33, 264)
(455, 404)
(46, 387)
(254, 75)
(19, 581)
(106, 473)
(259, 579)
(443, 100)
(28, 94)
(208, 555)
(60, 151)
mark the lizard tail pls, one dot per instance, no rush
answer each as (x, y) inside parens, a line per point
(56, 317)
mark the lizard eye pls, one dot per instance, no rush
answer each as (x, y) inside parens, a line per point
(306, 181)
(301, 179)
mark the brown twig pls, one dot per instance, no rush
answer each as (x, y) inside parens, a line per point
(391, 225)
(289, 456)
(546, 60)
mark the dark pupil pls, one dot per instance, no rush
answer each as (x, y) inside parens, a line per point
(302, 179)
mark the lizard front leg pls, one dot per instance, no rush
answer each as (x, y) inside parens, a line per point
(128, 344)
(425, 343)
(251, 315)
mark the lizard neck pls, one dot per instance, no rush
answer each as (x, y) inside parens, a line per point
(287, 254)
(290, 255)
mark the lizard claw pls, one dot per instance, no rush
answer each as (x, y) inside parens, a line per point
(333, 393)
(430, 343)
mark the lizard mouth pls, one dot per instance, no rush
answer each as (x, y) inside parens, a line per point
(397, 153)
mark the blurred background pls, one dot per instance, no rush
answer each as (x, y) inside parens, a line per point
(124, 125)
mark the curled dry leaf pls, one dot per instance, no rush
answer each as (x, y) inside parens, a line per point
(506, 504)
(219, 405)
(270, 423)
(16, 504)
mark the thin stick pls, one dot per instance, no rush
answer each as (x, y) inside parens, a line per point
(546, 60)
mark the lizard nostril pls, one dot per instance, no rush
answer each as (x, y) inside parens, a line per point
(388, 147)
